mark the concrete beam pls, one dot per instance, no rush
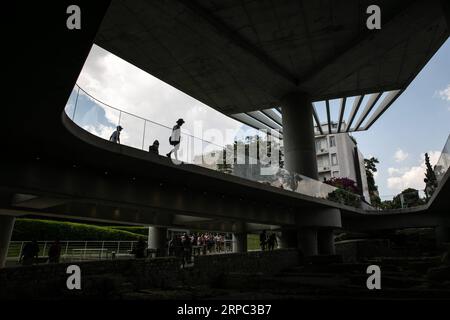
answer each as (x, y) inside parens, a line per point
(369, 106)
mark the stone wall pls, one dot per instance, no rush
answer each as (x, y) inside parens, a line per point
(210, 269)
(108, 279)
(355, 250)
(101, 279)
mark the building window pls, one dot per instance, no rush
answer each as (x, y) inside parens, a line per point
(321, 145)
(334, 160)
(323, 162)
(332, 141)
(336, 174)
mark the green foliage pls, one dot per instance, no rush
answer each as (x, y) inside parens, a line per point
(410, 199)
(36, 229)
(344, 197)
(143, 231)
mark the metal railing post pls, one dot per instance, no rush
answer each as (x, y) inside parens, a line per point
(143, 135)
(84, 252)
(76, 102)
(43, 250)
(20, 251)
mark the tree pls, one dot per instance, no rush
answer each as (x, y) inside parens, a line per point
(407, 198)
(430, 178)
(371, 167)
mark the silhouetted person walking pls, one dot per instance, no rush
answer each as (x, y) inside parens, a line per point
(263, 240)
(30, 253)
(154, 148)
(139, 250)
(115, 137)
(272, 241)
(54, 252)
(175, 138)
(187, 249)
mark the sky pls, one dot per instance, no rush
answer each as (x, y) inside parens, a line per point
(417, 122)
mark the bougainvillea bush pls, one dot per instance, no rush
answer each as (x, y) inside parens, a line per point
(344, 183)
(347, 191)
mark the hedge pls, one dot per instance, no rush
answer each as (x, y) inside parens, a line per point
(29, 229)
(137, 230)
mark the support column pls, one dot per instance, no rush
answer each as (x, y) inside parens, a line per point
(6, 229)
(157, 240)
(307, 240)
(442, 234)
(287, 239)
(298, 135)
(326, 242)
(240, 242)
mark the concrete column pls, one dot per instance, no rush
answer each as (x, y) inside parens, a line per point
(287, 239)
(442, 234)
(157, 240)
(325, 239)
(240, 242)
(307, 240)
(298, 135)
(6, 229)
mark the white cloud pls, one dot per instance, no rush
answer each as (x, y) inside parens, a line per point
(445, 93)
(400, 155)
(410, 177)
(124, 86)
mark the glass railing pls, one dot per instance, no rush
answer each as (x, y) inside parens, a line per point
(441, 167)
(101, 120)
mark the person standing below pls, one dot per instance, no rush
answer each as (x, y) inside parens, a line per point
(175, 138)
(263, 240)
(30, 253)
(139, 250)
(271, 241)
(187, 249)
(115, 137)
(154, 148)
(54, 252)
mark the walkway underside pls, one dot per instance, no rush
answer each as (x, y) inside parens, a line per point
(241, 56)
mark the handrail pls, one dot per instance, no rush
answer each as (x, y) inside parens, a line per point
(279, 177)
(145, 119)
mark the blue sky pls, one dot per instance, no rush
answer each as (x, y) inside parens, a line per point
(416, 123)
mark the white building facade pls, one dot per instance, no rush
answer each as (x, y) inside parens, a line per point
(339, 157)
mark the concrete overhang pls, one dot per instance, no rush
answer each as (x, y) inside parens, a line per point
(238, 56)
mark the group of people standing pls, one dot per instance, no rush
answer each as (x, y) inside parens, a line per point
(184, 246)
(267, 241)
(30, 253)
(174, 139)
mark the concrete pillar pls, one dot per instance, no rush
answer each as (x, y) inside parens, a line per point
(287, 239)
(157, 237)
(442, 234)
(240, 242)
(325, 239)
(307, 240)
(6, 229)
(298, 135)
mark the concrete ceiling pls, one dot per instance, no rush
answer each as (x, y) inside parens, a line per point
(240, 56)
